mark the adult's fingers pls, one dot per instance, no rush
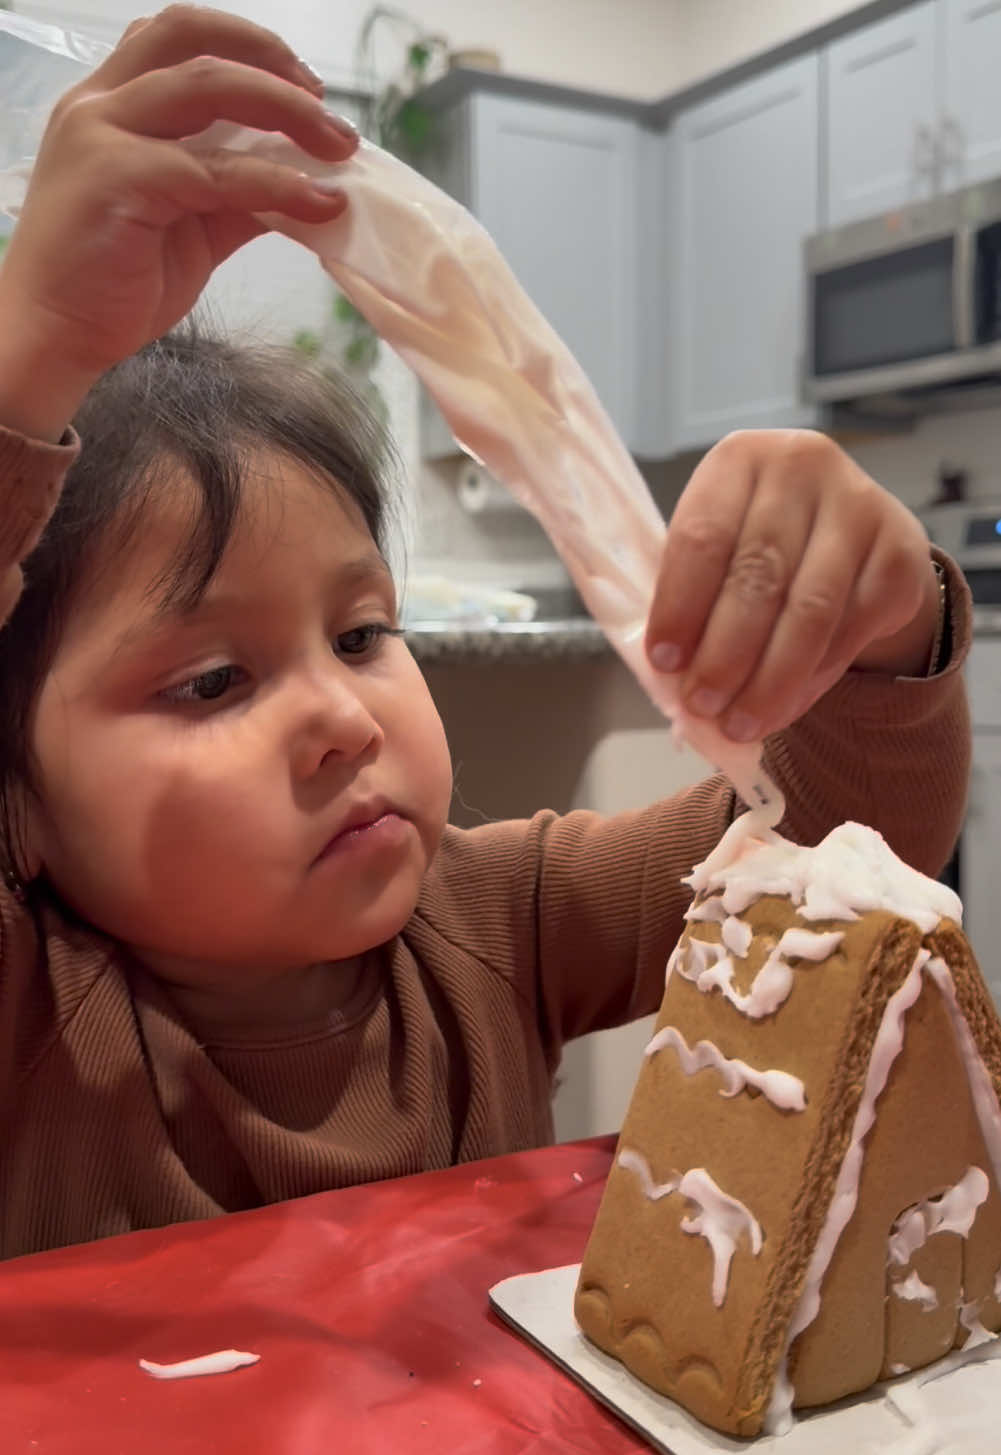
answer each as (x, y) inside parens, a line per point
(182, 32)
(189, 97)
(752, 598)
(700, 541)
(233, 183)
(886, 596)
(812, 626)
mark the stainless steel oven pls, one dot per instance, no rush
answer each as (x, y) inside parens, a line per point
(907, 301)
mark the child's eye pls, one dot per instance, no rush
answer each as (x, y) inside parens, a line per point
(206, 687)
(363, 641)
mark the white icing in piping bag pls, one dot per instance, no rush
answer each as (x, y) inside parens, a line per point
(223, 1362)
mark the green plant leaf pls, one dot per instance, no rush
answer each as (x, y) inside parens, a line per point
(362, 352)
(345, 311)
(413, 126)
(307, 343)
(418, 56)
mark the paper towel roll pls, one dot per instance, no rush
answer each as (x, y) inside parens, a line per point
(480, 494)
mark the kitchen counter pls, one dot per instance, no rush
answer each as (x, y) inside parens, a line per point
(572, 639)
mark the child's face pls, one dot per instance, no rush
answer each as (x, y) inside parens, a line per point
(193, 769)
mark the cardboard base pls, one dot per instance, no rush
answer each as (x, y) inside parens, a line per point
(956, 1412)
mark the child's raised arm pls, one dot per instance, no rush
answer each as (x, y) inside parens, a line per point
(122, 225)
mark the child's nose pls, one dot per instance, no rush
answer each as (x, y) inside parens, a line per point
(332, 718)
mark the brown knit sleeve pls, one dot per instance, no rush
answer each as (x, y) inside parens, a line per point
(31, 474)
(893, 753)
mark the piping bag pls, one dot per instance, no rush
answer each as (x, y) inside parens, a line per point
(433, 285)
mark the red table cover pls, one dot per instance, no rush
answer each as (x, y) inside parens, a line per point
(368, 1307)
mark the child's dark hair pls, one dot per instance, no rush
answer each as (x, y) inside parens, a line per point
(194, 404)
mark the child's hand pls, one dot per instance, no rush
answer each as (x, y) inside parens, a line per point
(785, 565)
(122, 226)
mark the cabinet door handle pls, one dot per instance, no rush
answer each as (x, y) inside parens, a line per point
(952, 142)
(926, 154)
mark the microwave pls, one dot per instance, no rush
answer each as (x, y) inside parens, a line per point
(907, 303)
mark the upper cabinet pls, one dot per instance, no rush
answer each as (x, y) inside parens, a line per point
(556, 187)
(745, 195)
(913, 107)
(882, 115)
(970, 121)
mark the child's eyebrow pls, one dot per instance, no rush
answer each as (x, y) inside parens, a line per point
(170, 615)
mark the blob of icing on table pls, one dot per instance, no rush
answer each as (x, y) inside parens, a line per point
(222, 1362)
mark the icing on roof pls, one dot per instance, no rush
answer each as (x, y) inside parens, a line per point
(847, 874)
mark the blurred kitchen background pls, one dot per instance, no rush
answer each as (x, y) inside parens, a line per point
(653, 170)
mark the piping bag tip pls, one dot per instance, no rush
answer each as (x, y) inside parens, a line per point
(740, 762)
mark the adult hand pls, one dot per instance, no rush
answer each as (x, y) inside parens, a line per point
(784, 566)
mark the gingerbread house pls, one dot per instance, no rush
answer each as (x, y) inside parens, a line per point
(806, 1195)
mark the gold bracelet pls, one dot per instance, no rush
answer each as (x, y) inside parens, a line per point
(934, 665)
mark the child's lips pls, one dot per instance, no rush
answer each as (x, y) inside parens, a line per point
(381, 828)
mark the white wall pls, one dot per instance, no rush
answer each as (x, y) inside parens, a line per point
(637, 48)
(710, 35)
(622, 46)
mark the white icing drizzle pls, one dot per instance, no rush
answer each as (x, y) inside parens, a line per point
(916, 1290)
(952, 1212)
(809, 944)
(780, 1087)
(223, 1362)
(708, 911)
(713, 969)
(701, 954)
(981, 1087)
(886, 1047)
(737, 936)
(896, 1369)
(850, 872)
(672, 964)
(719, 1218)
(969, 1317)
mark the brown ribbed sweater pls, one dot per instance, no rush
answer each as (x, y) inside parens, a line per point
(115, 1116)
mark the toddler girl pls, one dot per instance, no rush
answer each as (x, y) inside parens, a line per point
(242, 958)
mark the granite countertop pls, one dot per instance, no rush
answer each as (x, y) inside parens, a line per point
(568, 639)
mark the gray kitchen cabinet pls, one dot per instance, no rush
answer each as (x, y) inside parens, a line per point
(882, 115)
(970, 123)
(913, 107)
(746, 196)
(556, 187)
